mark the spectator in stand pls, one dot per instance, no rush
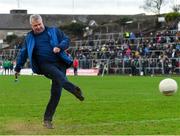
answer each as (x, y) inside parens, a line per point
(133, 67)
(75, 66)
(132, 37)
(173, 59)
(178, 36)
(11, 67)
(6, 67)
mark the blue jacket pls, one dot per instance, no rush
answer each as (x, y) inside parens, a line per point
(57, 39)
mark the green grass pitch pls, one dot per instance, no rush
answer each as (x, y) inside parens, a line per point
(114, 105)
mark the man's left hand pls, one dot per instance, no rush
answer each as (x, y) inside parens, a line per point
(56, 50)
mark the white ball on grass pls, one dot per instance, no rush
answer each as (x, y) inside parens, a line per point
(168, 86)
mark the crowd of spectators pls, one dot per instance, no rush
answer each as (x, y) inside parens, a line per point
(128, 52)
(158, 51)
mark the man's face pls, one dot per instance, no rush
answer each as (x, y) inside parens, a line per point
(37, 26)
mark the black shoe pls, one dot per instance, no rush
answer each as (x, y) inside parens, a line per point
(48, 124)
(78, 93)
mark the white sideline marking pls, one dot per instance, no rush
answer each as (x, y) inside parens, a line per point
(20, 105)
(142, 121)
(128, 122)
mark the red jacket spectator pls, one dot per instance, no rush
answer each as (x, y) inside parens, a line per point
(75, 63)
(75, 66)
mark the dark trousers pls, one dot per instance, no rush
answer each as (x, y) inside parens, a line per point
(75, 71)
(57, 73)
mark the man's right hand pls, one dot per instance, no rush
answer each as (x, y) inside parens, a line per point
(56, 50)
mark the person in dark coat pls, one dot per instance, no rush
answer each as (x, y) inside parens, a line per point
(45, 47)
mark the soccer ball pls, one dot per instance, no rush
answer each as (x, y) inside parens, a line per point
(168, 86)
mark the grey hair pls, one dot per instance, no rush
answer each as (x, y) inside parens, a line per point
(34, 17)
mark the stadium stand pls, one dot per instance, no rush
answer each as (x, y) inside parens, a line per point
(156, 52)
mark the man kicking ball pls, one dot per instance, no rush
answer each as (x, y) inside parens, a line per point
(45, 47)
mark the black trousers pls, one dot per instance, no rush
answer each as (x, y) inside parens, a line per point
(57, 73)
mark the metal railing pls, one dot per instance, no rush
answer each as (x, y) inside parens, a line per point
(147, 66)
